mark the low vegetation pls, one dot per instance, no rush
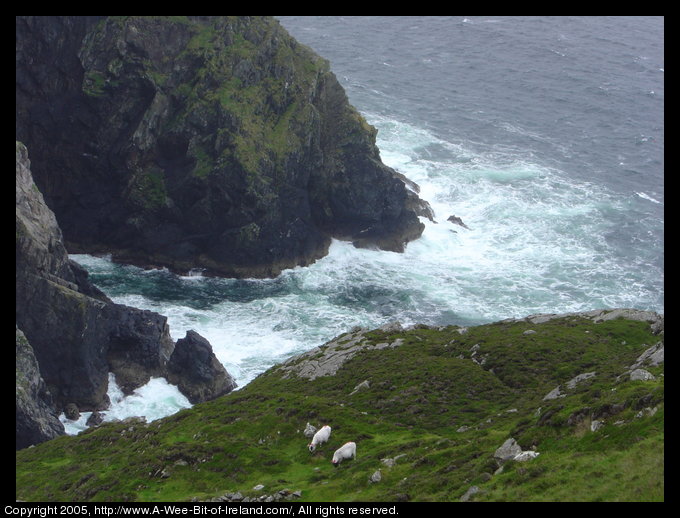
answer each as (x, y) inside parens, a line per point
(438, 405)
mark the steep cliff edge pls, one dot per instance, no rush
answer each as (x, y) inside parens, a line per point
(201, 142)
(70, 335)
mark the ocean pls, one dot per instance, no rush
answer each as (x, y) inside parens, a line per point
(544, 135)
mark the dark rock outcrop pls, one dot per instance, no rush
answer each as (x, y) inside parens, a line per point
(201, 142)
(36, 420)
(76, 334)
(195, 370)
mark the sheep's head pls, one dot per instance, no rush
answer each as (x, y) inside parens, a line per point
(311, 447)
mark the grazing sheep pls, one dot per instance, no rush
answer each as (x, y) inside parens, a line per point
(346, 451)
(320, 437)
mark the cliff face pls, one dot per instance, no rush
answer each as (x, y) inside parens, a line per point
(70, 335)
(200, 142)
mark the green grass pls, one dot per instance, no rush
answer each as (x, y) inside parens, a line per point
(421, 393)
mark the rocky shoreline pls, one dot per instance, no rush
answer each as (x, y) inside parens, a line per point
(69, 335)
(211, 143)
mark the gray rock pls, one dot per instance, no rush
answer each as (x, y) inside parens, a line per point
(508, 450)
(473, 490)
(553, 394)
(309, 431)
(36, 418)
(376, 477)
(578, 379)
(641, 375)
(326, 359)
(653, 356)
(391, 462)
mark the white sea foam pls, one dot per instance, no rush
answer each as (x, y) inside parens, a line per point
(155, 400)
(647, 197)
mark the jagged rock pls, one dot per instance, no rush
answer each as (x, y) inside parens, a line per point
(36, 418)
(653, 356)
(77, 334)
(457, 221)
(197, 372)
(235, 148)
(376, 477)
(508, 450)
(391, 327)
(95, 419)
(553, 394)
(571, 384)
(646, 412)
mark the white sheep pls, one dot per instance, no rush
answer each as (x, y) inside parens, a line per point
(346, 451)
(320, 437)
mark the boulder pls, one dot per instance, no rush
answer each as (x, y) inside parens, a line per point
(507, 451)
(457, 221)
(196, 371)
(641, 375)
(309, 431)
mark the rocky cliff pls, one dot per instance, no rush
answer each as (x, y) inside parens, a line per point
(201, 142)
(70, 335)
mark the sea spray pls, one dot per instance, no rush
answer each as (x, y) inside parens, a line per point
(154, 400)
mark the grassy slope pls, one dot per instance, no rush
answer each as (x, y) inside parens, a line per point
(421, 393)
